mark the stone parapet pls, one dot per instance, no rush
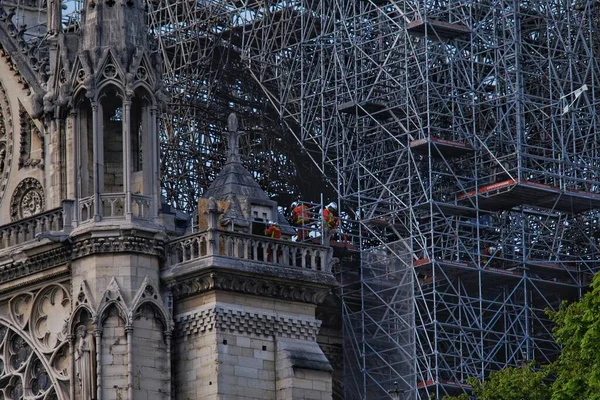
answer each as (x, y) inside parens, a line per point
(249, 247)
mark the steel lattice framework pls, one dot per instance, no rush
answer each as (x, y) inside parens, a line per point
(461, 138)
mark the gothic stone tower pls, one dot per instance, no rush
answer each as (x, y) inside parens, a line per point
(102, 295)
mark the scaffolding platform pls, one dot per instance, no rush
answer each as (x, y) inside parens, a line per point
(510, 193)
(441, 148)
(456, 268)
(446, 209)
(443, 30)
(450, 267)
(375, 109)
(544, 265)
(431, 382)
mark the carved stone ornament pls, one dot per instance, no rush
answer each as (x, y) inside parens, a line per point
(255, 324)
(36, 263)
(129, 243)
(34, 354)
(29, 133)
(6, 140)
(85, 356)
(27, 199)
(249, 285)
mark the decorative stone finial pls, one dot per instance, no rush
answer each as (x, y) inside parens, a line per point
(233, 139)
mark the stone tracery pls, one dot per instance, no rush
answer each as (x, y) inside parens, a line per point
(6, 140)
(27, 199)
(34, 354)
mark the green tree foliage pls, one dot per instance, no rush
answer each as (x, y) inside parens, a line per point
(514, 383)
(577, 369)
(575, 375)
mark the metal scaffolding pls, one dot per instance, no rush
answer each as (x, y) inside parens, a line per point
(460, 137)
(467, 131)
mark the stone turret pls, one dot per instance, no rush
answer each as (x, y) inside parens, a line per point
(244, 313)
(246, 207)
(113, 177)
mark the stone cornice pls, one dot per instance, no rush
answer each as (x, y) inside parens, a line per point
(128, 243)
(34, 263)
(254, 285)
(226, 320)
(32, 257)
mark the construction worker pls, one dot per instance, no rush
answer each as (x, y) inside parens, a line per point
(274, 232)
(330, 217)
(300, 219)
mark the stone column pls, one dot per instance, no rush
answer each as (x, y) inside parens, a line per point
(127, 157)
(129, 335)
(98, 337)
(154, 158)
(98, 152)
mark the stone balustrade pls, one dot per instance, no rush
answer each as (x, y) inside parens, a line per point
(112, 205)
(249, 247)
(86, 208)
(141, 206)
(26, 229)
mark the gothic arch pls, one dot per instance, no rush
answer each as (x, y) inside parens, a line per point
(34, 350)
(106, 86)
(149, 295)
(76, 317)
(143, 91)
(104, 312)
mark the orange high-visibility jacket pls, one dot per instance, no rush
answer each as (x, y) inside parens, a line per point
(330, 219)
(273, 231)
(300, 215)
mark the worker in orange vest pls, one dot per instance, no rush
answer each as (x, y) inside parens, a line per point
(300, 219)
(274, 232)
(330, 216)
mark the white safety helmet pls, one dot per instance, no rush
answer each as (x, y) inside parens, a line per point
(294, 205)
(333, 205)
(273, 223)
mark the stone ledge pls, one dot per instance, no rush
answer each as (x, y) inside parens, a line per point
(237, 321)
(259, 284)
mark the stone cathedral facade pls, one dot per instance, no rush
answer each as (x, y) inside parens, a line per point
(105, 292)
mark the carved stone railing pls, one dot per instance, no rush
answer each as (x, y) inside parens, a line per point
(112, 205)
(86, 209)
(26, 229)
(251, 248)
(141, 206)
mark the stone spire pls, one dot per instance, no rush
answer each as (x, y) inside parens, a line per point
(234, 180)
(233, 139)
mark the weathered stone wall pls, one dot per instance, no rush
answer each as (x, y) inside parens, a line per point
(246, 367)
(302, 383)
(151, 375)
(195, 366)
(113, 360)
(233, 346)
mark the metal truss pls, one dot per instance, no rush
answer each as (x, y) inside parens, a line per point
(461, 138)
(467, 131)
